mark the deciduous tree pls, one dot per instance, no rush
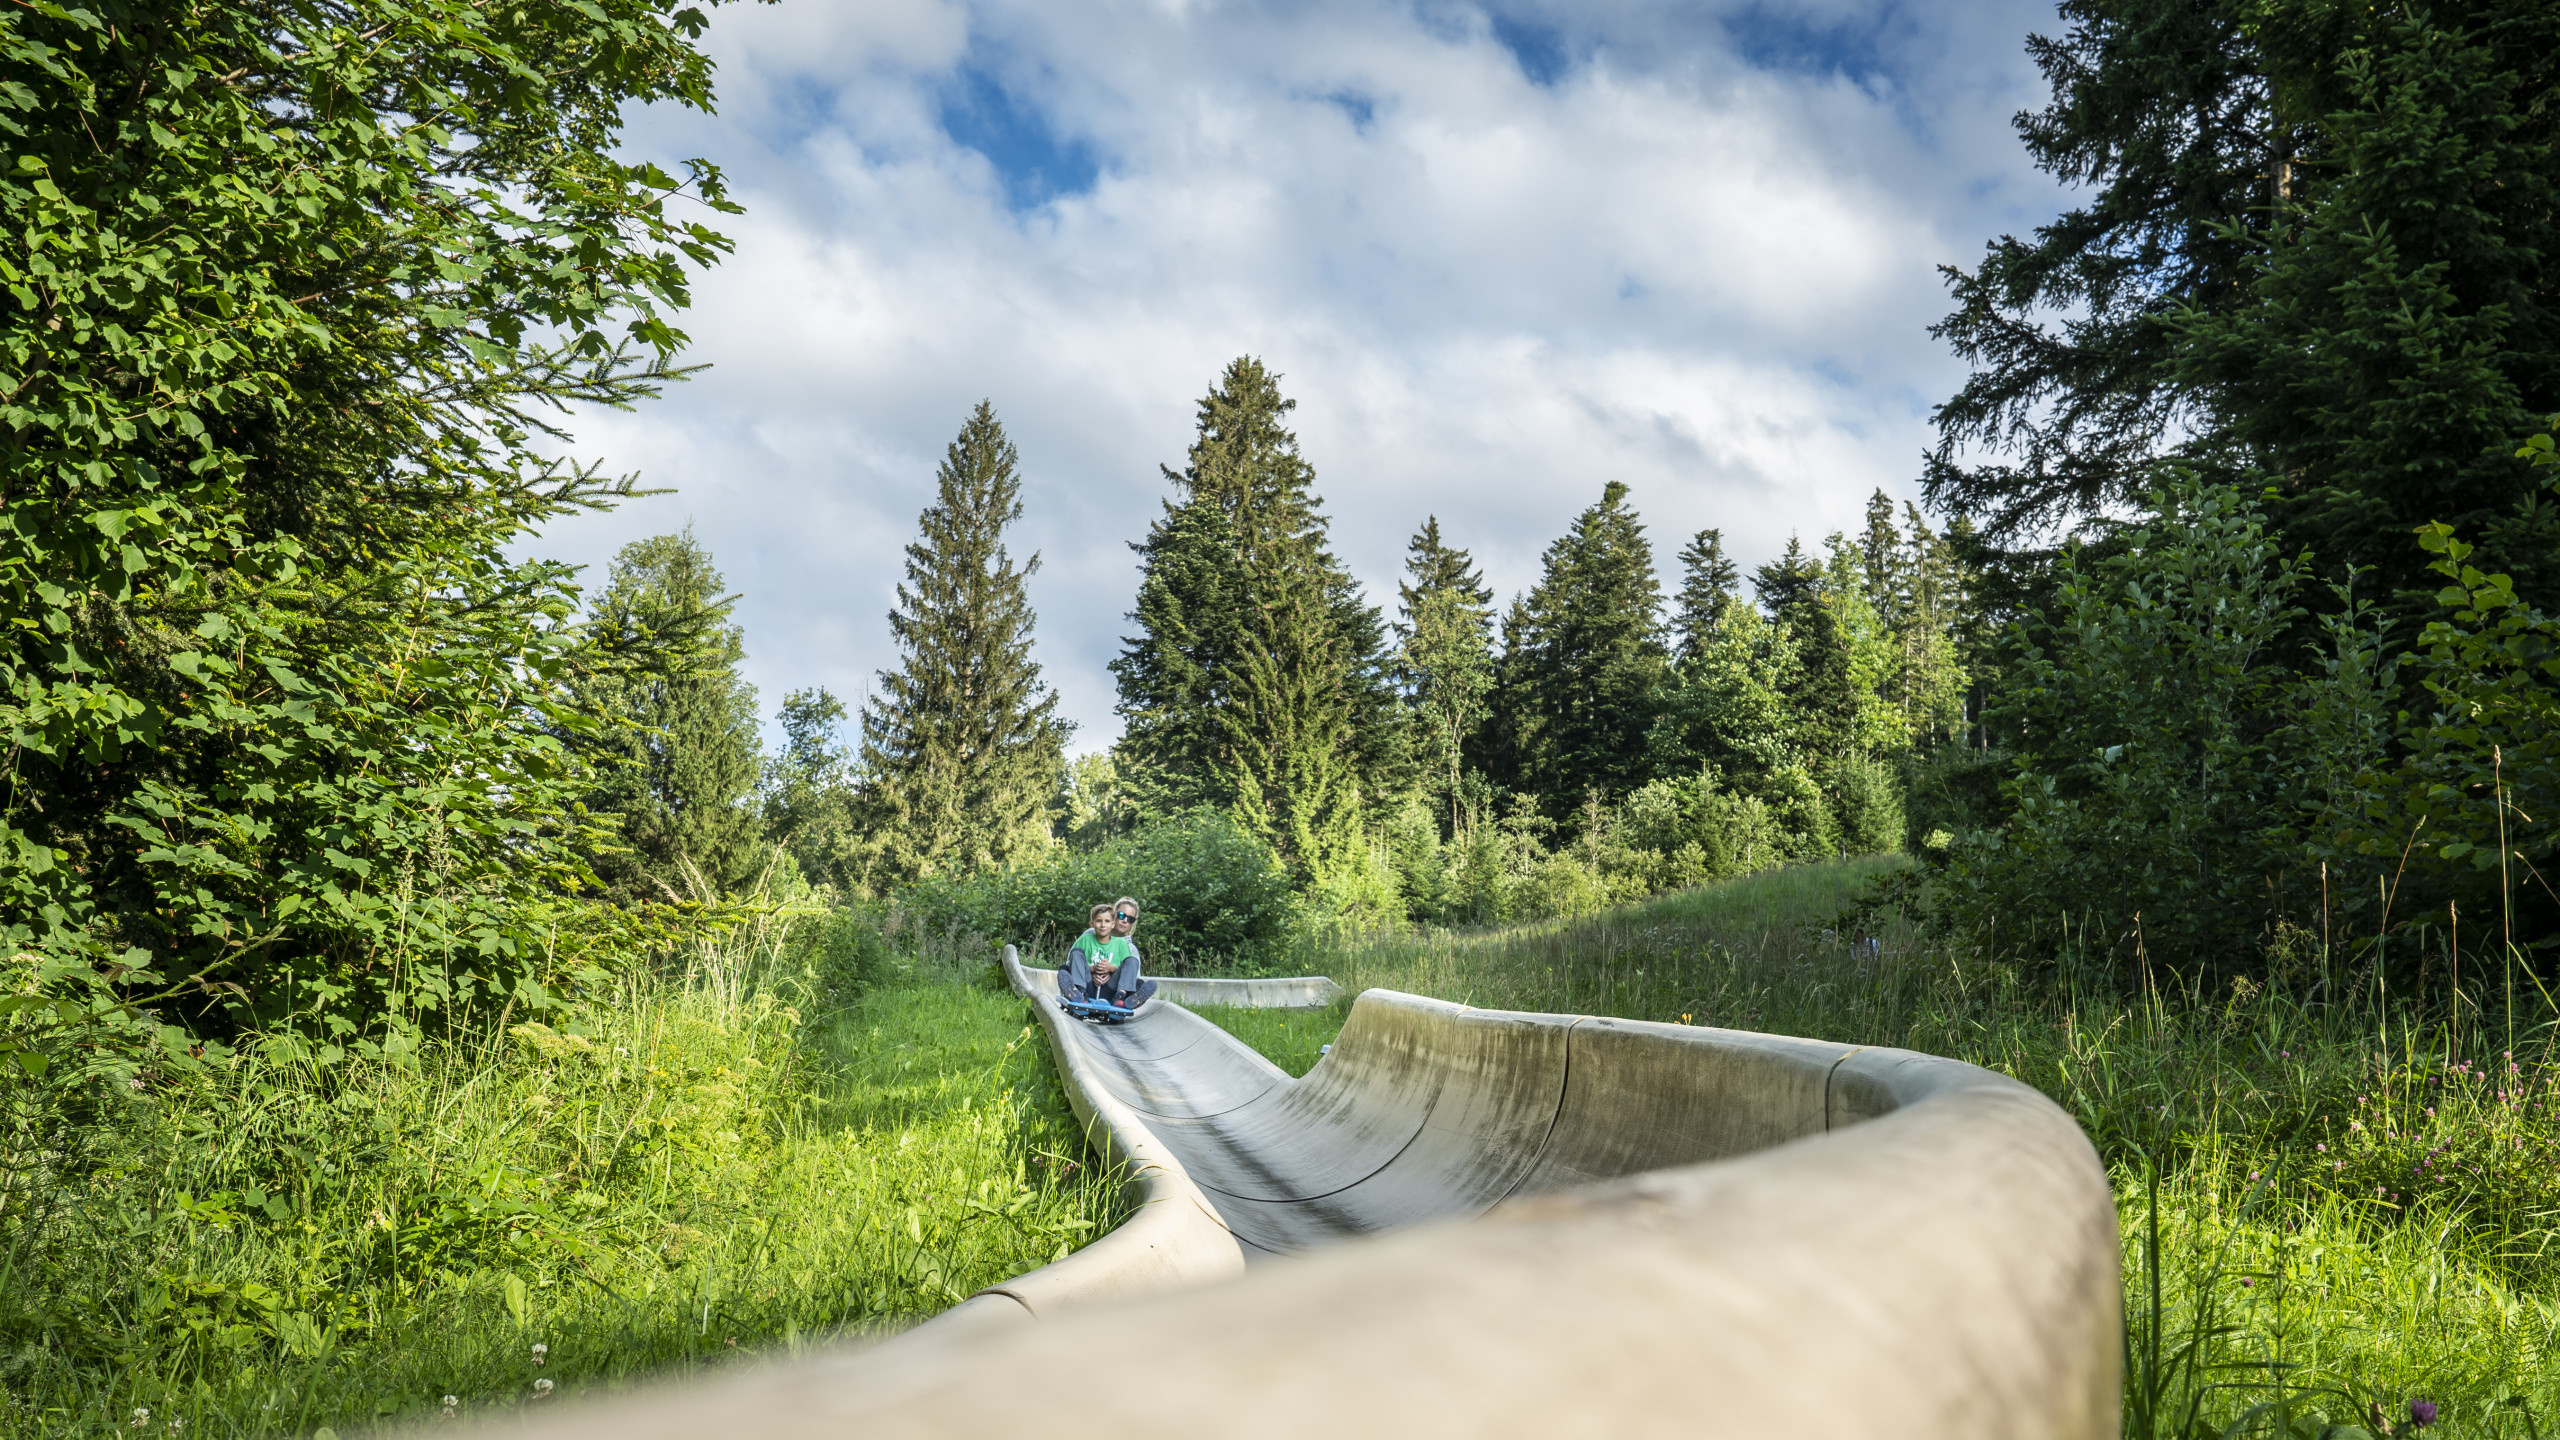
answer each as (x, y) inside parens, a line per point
(291, 293)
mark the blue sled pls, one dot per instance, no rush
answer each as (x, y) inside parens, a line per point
(1101, 1012)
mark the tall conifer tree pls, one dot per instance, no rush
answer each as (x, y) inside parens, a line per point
(1880, 555)
(1823, 693)
(1583, 662)
(2402, 327)
(962, 745)
(677, 760)
(1259, 680)
(2315, 244)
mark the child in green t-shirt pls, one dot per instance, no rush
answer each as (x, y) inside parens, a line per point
(1095, 961)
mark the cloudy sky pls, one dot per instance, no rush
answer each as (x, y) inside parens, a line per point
(1500, 254)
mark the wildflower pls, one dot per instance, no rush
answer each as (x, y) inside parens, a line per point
(141, 1416)
(2247, 1284)
(539, 1351)
(2285, 1054)
(177, 1425)
(542, 1389)
(2422, 1413)
(2323, 1147)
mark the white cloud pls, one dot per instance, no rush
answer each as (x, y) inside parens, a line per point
(1670, 267)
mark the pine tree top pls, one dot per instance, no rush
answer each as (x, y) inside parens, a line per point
(1431, 565)
(1708, 587)
(1245, 461)
(1785, 585)
(1434, 564)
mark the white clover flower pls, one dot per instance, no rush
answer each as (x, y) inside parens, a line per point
(540, 1351)
(141, 1416)
(541, 1389)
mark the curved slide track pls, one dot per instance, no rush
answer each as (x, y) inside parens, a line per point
(1645, 1229)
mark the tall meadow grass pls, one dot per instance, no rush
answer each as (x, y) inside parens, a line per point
(724, 1157)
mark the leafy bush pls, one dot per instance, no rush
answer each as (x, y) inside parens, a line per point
(2197, 763)
(1686, 832)
(2481, 737)
(1212, 895)
(2162, 767)
(1950, 790)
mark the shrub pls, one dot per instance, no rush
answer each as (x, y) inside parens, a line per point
(1213, 895)
(1869, 804)
(1558, 887)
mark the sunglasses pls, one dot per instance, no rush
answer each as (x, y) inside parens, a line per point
(1125, 915)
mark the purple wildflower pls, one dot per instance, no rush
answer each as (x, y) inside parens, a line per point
(2422, 1413)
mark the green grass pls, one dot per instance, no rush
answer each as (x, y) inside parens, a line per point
(1291, 1039)
(672, 1180)
(2345, 1217)
(696, 1170)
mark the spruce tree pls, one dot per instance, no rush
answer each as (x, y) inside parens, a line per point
(2403, 324)
(1823, 696)
(2315, 253)
(1174, 673)
(1708, 580)
(1259, 680)
(1382, 757)
(2160, 108)
(1583, 663)
(961, 744)
(1880, 554)
(1785, 584)
(676, 759)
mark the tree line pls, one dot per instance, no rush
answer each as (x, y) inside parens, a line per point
(1602, 737)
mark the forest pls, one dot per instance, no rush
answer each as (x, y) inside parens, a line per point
(425, 986)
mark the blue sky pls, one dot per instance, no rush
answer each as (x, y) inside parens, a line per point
(1501, 254)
